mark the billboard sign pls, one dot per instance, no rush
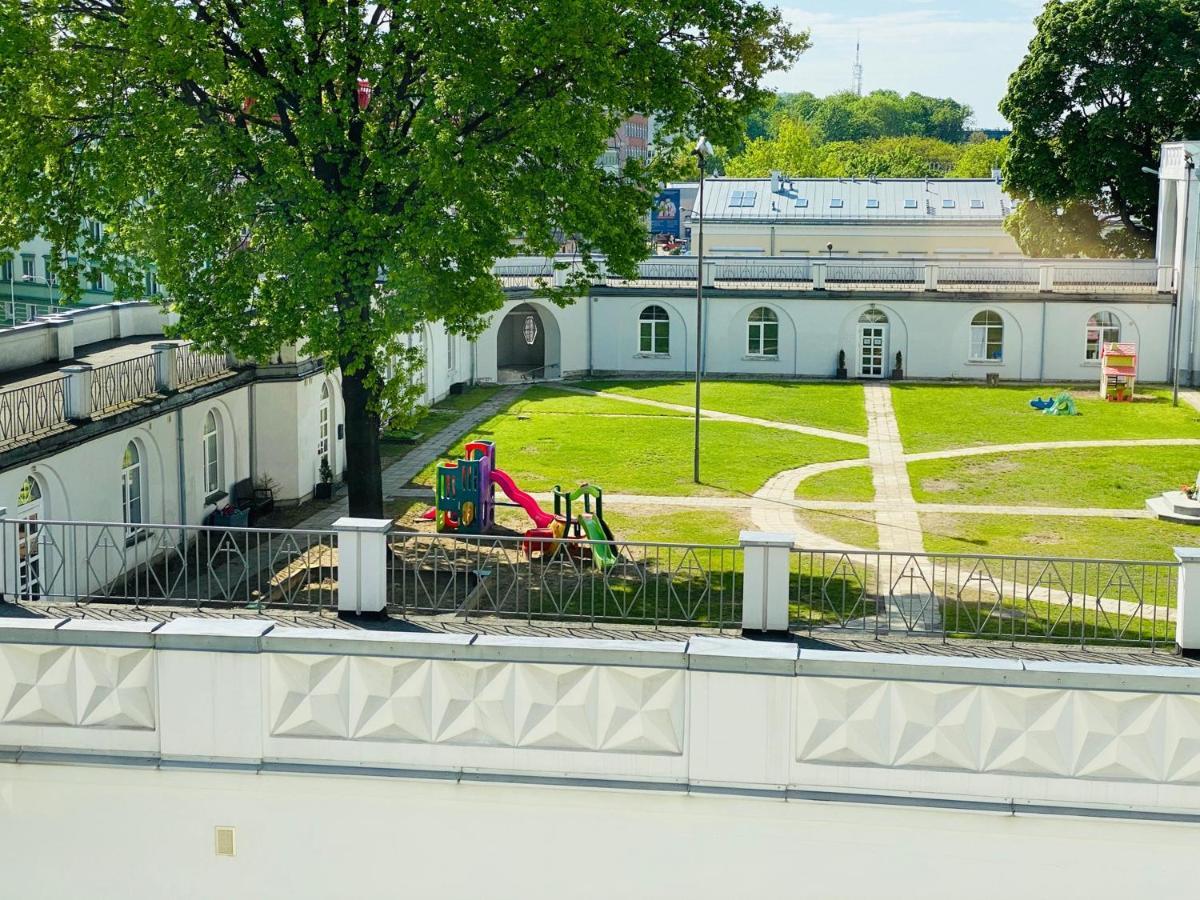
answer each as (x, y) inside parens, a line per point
(665, 217)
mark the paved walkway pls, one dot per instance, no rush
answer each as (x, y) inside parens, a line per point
(399, 474)
(898, 523)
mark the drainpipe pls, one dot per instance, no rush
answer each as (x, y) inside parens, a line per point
(1042, 352)
(179, 463)
(589, 300)
(251, 414)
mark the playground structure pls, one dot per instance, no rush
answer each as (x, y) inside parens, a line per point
(1118, 372)
(1061, 405)
(465, 503)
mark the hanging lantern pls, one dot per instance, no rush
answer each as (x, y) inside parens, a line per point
(364, 93)
(530, 330)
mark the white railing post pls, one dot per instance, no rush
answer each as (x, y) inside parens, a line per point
(818, 276)
(8, 579)
(931, 277)
(1187, 602)
(63, 329)
(362, 554)
(165, 379)
(1045, 278)
(766, 560)
(77, 393)
(710, 273)
(1165, 282)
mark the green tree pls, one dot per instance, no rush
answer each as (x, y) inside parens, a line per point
(1104, 83)
(1071, 230)
(979, 158)
(233, 143)
(792, 150)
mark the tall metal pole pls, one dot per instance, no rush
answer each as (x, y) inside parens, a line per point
(1189, 166)
(699, 311)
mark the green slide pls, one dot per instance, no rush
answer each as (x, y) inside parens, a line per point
(603, 551)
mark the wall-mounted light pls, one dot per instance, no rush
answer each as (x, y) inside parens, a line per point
(530, 330)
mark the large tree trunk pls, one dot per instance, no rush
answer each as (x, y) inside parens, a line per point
(364, 476)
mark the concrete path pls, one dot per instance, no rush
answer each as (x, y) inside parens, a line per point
(400, 473)
(1191, 397)
(719, 416)
(898, 523)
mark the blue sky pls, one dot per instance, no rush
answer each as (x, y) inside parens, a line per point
(963, 49)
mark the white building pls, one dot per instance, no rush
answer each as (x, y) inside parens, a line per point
(1179, 241)
(1019, 320)
(142, 430)
(886, 217)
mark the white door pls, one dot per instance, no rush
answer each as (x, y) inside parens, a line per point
(872, 350)
(29, 549)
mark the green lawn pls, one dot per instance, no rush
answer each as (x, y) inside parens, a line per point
(854, 485)
(538, 400)
(835, 406)
(712, 527)
(642, 454)
(1073, 536)
(854, 528)
(468, 399)
(1112, 478)
(936, 417)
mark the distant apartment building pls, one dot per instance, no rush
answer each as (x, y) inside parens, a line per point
(843, 217)
(632, 140)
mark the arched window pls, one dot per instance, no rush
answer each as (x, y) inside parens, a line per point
(654, 331)
(1102, 328)
(212, 453)
(987, 337)
(323, 418)
(762, 333)
(29, 545)
(449, 351)
(873, 317)
(132, 493)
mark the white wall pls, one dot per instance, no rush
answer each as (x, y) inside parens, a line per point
(476, 755)
(931, 332)
(145, 833)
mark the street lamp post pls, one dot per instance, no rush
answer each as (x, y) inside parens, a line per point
(703, 151)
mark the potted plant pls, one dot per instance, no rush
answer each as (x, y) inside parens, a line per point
(841, 366)
(898, 369)
(323, 490)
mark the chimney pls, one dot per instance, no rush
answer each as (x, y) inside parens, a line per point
(776, 181)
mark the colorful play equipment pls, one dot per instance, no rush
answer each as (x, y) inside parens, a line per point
(465, 503)
(1118, 372)
(1062, 405)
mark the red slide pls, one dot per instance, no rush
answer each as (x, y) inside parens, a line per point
(541, 518)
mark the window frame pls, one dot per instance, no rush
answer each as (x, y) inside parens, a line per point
(1101, 340)
(28, 266)
(324, 422)
(210, 443)
(757, 333)
(981, 335)
(654, 332)
(133, 493)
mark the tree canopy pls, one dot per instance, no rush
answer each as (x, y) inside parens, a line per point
(276, 159)
(1104, 84)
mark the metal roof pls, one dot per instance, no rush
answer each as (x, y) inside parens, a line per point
(914, 200)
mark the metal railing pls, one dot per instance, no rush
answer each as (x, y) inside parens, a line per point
(1014, 598)
(121, 383)
(192, 365)
(568, 580)
(1141, 276)
(148, 565)
(32, 410)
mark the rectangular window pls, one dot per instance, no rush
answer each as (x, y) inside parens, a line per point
(212, 474)
(872, 204)
(95, 280)
(6, 271)
(802, 203)
(28, 266)
(976, 204)
(910, 204)
(987, 343)
(742, 199)
(835, 203)
(654, 337)
(151, 283)
(947, 203)
(450, 352)
(762, 339)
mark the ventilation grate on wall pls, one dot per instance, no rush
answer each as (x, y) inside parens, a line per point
(225, 841)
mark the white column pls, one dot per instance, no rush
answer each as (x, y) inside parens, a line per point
(931, 277)
(818, 276)
(165, 380)
(1187, 619)
(77, 396)
(766, 562)
(63, 329)
(362, 565)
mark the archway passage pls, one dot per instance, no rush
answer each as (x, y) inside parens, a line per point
(521, 346)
